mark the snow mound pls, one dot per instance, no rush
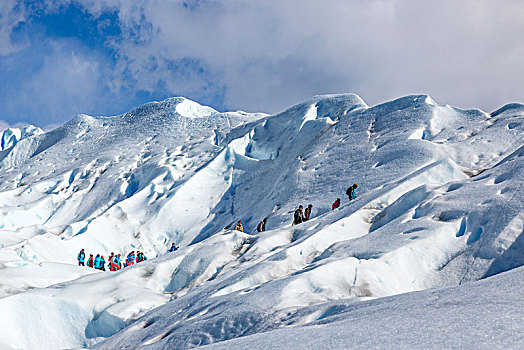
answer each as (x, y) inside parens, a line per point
(188, 108)
(426, 319)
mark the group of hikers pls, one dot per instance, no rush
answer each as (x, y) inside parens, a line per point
(260, 227)
(98, 262)
(301, 215)
(351, 192)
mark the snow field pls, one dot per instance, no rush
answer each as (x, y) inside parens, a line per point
(437, 205)
(457, 317)
(100, 304)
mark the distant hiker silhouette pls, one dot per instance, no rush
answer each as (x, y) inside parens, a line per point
(307, 212)
(298, 217)
(262, 225)
(173, 247)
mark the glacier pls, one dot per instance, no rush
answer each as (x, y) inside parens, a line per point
(431, 248)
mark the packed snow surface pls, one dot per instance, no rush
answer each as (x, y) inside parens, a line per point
(411, 262)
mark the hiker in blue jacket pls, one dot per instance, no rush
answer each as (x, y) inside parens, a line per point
(130, 260)
(97, 262)
(81, 257)
(117, 262)
(352, 192)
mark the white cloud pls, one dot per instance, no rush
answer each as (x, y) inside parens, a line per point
(5, 125)
(68, 82)
(269, 54)
(266, 55)
(10, 16)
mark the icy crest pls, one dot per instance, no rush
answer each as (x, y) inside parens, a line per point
(11, 136)
(188, 108)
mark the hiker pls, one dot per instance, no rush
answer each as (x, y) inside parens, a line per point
(140, 257)
(298, 217)
(335, 204)
(112, 262)
(239, 227)
(352, 192)
(130, 260)
(117, 263)
(97, 262)
(102, 263)
(90, 261)
(173, 247)
(307, 212)
(262, 225)
(81, 257)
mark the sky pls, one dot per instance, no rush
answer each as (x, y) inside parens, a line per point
(105, 57)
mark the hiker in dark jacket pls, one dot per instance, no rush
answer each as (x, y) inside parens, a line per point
(97, 263)
(102, 263)
(262, 225)
(307, 212)
(298, 217)
(140, 257)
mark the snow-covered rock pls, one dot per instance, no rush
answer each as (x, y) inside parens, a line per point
(438, 205)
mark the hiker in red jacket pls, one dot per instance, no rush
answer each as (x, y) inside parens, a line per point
(113, 266)
(90, 261)
(336, 204)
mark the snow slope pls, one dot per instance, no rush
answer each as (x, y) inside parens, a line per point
(468, 316)
(438, 205)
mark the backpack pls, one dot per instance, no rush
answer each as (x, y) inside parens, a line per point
(348, 191)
